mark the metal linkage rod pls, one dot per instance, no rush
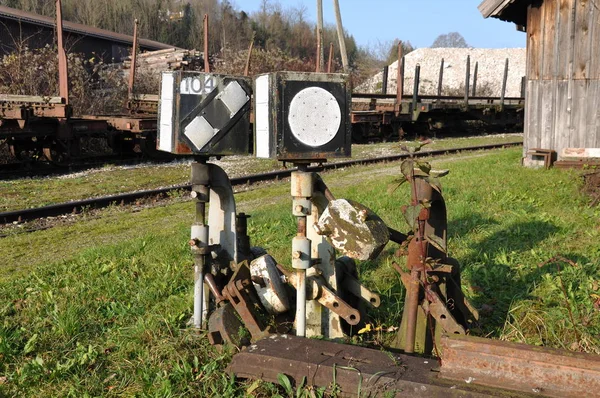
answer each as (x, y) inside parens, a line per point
(330, 60)
(320, 49)
(384, 83)
(199, 239)
(249, 58)
(301, 190)
(318, 67)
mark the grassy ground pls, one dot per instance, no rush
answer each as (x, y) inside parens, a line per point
(99, 307)
(35, 192)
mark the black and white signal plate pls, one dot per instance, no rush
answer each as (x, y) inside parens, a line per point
(204, 113)
(302, 116)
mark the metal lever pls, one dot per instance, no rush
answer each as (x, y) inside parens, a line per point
(331, 300)
(317, 290)
(359, 290)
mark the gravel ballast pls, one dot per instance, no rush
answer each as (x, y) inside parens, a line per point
(489, 76)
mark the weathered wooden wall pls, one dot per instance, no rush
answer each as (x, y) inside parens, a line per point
(563, 72)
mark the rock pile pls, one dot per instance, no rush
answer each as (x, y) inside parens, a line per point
(489, 75)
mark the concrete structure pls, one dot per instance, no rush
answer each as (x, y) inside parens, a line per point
(563, 70)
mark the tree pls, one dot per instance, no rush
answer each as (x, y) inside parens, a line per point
(392, 54)
(452, 39)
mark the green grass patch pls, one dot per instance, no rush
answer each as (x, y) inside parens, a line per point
(36, 192)
(100, 307)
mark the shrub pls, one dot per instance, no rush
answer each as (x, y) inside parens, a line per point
(94, 87)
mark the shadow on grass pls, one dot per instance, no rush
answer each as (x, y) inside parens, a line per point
(464, 225)
(496, 275)
(499, 270)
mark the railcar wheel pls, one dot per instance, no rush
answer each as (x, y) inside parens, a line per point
(147, 145)
(387, 132)
(359, 133)
(121, 144)
(57, 152)
(27, 150)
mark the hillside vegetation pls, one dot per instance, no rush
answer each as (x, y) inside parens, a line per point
(283, 32)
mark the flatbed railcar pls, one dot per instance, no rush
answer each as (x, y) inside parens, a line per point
(383, 117)
(43, 127)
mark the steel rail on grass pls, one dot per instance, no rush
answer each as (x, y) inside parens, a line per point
(12, 171)
(130, 197)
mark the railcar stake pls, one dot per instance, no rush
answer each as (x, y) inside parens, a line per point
(384, 84)
(504, 79)
(133, 67)
(467, 78)
(440, 81)
(399, 81)
(206, 63)
(474, 91)
(63, 74)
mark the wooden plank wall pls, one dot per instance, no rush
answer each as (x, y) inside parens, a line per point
(563, 72)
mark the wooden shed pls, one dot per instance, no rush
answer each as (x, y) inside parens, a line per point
(562, 104)
(38, 31)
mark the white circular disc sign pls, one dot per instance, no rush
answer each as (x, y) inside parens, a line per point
(314, 116)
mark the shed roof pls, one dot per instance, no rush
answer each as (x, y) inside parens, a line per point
(506, 10)
(72, 27)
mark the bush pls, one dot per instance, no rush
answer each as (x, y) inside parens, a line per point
(263, 61)
(94, 87)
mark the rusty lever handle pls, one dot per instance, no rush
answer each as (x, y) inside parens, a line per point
(316, 290)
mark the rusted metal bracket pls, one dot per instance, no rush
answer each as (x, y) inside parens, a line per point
(437, 308)
(241, 294)
(434, 300)
(224, 327)
(434, 305)
(223, 324)
(331, 300)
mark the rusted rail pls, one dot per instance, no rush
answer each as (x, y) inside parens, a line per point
(520, 367)
(105, 201)
(15, 170)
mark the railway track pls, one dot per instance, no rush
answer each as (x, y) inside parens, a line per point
(74, 207)
(12, 171)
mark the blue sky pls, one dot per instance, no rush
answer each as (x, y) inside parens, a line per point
(418, 21)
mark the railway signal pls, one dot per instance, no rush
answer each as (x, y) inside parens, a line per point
(302, 116)
(204, 114)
